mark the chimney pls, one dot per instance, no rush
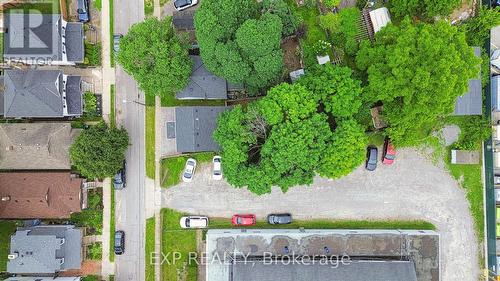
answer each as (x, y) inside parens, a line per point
(5, 198)
(13, 256)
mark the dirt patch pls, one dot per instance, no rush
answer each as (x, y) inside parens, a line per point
(291, 54)
(88, 268)
(465, 11)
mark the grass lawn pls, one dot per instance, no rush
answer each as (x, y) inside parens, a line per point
(150, 248)
(97, 4)
(171, 168)
(112, 226)
(150, 137)
(174, 239)
(170, 100)
(112, 114)
(45, 7)
(470, 178)
(7, 228)
(94, 251)
(111, 31)
(331, 224)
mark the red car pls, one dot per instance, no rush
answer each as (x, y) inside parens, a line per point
(389, 153)
(243, 220)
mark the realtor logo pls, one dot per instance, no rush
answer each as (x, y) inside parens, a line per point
(31, 31)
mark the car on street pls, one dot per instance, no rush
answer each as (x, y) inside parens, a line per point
(119, 242)
(243, 220)
(82, 8)
(189, 170)
(279, 218)
(184, 4)
(116, 43)
(371, 158)
(120, 180)
(388, 153)
(217, 172)
(194, 222)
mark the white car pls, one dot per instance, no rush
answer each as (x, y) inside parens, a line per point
(188, 174)
(217, 172)
(194, 222)
(184, 4)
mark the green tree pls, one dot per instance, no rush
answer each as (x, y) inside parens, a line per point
(344, 28)
(237, 44)
(280, 8)
(99, 151)
(335, 87)
(346, 151)
(477, 29)
(423, 8)
(153, 54)
(330, 22)
(331, 3)
(417, 71)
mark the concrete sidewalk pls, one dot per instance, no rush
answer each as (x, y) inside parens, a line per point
(107, 267)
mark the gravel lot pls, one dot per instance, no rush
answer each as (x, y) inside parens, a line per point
(412, 188)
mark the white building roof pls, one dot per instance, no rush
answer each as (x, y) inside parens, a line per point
(380, 17)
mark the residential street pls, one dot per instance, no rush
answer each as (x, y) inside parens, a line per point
(130, 202)
(413, 188)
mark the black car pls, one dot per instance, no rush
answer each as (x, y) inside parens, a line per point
(82, 8)
(371, 158)
(120, 180)
(119, 242)
(279, 219)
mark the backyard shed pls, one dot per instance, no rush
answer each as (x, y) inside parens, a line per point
(379, 18)
(464, 157)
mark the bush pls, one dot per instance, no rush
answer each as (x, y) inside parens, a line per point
(94, 251)
(322, 48)
(331, 3)
(330, 22)
(92, 54)
(90, 101)
(473, 131)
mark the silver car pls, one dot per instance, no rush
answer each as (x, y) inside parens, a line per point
(189, 170)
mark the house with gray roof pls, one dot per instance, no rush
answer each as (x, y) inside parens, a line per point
(42, 39)
(41, 94)
(45, 249)
(194, 127)
(36, 146)
(471, 103)
(203, 84)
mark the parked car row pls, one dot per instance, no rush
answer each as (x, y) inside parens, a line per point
(388, 155)
(190, 169)
(236, 220)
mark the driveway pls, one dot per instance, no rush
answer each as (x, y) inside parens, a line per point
(412, 188)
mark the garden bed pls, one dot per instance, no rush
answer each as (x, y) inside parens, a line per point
(291, 54)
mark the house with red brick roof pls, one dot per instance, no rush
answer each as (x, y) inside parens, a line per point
(41, 195)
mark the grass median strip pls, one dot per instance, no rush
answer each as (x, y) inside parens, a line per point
(111, 31)
(112, 226)
(150, 248)
(150, 137)
(7, 228)
(171, 168)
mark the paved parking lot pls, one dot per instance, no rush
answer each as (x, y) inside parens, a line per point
(413, 188)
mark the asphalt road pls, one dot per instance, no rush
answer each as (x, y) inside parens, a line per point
(412, 188)
(130, 202)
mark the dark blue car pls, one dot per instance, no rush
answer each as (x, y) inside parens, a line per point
(82, 7)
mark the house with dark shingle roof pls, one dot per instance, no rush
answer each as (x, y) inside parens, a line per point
(471, 103)
(194, 127)
(36, 146)
(45, 249)
(39, 195)
(42, 39)
(203, 84)
(41, 94)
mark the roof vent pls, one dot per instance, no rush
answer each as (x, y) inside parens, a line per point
(13, 256)
(5, 198)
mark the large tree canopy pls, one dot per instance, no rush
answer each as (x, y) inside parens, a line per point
(289, 135)
(153, 54)
(238, 44)
(280, 8)
(99, 151)
(417, 71)
(334, 86)
(423, 8)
